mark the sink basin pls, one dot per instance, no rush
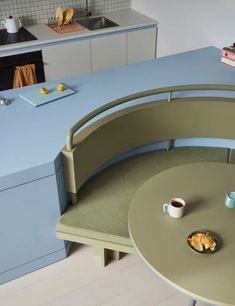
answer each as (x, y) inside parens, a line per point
(96, 23)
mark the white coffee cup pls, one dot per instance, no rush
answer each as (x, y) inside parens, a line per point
(175, 207)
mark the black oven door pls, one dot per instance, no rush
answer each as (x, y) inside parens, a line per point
(8, 65)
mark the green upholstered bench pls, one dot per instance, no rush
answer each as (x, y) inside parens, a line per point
(99, 216)
(103, 201)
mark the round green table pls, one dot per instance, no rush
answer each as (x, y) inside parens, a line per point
(162, 240)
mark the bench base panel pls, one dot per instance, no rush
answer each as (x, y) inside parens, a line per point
(103, 250)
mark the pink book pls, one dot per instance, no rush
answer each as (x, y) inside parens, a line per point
(229, 53)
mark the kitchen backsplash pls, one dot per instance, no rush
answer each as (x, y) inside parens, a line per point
(40, 11)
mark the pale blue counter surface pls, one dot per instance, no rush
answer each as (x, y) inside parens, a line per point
(33, 137)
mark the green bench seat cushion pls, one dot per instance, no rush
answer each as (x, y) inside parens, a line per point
(103, 202)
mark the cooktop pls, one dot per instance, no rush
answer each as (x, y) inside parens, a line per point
(12, 38)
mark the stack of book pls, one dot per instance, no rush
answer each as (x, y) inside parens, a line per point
(228, 55)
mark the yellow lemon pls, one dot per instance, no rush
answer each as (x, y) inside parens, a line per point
(43, 90)
(60, 87)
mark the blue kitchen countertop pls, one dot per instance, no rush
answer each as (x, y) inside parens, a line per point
(31, 138)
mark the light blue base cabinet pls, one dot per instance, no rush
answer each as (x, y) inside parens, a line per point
(28, 217)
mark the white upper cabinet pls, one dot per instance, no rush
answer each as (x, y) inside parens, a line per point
(65, 60)
(108, 51)
(141, 45)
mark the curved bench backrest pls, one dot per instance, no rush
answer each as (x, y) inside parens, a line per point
(141, 125)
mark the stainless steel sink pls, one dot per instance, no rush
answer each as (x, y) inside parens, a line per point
(96, 23)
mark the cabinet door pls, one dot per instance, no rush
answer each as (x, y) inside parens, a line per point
(141, 45)
(28, 217)
(67, 60)
(108, 51)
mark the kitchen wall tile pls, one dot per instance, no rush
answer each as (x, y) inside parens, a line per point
(42, 11)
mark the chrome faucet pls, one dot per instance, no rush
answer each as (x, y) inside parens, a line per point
(88, 12)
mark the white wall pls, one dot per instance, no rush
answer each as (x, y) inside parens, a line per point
(190, 24)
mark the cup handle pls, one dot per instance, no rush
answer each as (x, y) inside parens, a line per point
(165, 207)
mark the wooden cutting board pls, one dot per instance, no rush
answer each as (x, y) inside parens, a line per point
(35, 98)
(66, 28)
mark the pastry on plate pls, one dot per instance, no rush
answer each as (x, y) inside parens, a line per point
(202, 241)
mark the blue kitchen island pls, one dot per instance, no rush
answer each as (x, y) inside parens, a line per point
(32, 192)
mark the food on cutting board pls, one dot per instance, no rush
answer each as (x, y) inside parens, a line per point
(203, 241)
(60, 87)
(43, 90)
